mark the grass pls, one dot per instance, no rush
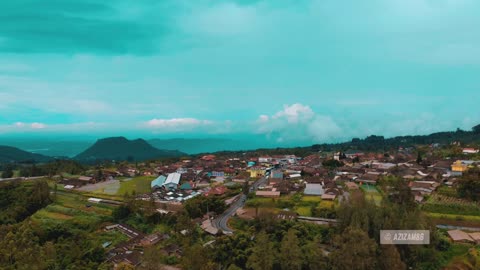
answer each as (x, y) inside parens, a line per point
(304, 211)
(311, 199)
(372, 193)
(139, 184)
(459, 257)
(326, 204)
(301, 204)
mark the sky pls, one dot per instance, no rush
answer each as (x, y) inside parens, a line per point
(288, 71)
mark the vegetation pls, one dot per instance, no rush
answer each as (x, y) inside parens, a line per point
(469, 185)
(19, 200)
(119, 149)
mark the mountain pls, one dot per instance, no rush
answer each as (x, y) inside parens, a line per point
(13, 154)
(207, 145)
(120, 148)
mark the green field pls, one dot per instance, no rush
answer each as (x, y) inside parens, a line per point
(311, 199)
(139, 184)
(302, 205)
(74, 209)
(372, 193)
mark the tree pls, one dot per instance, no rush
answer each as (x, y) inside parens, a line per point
(262, 257)
(476, 129)
(196, 258)
(469, 185)
(419, 158)
(291, 258)
(354, 250)
(7, 172)
(314, 257)
(390, 258)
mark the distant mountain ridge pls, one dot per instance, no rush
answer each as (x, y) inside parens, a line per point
(196, 146)
(12, 154)
(120, 148)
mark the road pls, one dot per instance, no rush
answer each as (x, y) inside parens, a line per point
(221, 222)
(23, 178)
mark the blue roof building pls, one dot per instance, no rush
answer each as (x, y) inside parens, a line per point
(158, 183)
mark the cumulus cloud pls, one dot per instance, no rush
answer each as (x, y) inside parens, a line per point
(177, 124)
(298, 122)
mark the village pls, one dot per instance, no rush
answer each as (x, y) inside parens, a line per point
(307, 189)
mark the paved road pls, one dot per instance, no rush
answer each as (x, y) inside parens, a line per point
(221, 222)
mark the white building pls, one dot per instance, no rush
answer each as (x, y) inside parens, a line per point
(173, 180)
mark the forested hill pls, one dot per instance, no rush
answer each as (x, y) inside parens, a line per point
(10, 154)
(120, 148)
(379, 143)
(376, 143)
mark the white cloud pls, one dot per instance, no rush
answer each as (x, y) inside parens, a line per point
(177, 124)
(38, 125)
(298, 122)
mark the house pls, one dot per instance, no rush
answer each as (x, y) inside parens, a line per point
(150, 240)
(458, 236)
(186, 186)
(256, 172)
(218, 174)
(423, 186)
(313, 189)
(353, 154)
(86, 179)
(328, 197)
(276, 174)
(268, 194)
(476, 237)
(265, 159)
(172, 181)
(470, 151)
(351, 185)
(158, 183)
(295, 176)
(461, 166)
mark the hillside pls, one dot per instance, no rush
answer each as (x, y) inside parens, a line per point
(12, 154)
(120, 148)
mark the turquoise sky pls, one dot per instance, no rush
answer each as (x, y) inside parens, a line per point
(286, 70)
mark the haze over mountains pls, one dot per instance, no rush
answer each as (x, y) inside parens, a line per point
(120, 148)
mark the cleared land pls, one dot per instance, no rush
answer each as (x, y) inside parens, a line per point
(109, 187)
(140, 185)
(302, 205)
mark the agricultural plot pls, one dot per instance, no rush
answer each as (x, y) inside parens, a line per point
(372, 193)
(72, 209)
(450, 205)
(140, 185)
(302, 205)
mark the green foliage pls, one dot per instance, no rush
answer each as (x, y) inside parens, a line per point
(198, 206)
(354, 250)
(7, 172)
(262, 257)
(469, 185)
(19, 200)
(292, 257)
